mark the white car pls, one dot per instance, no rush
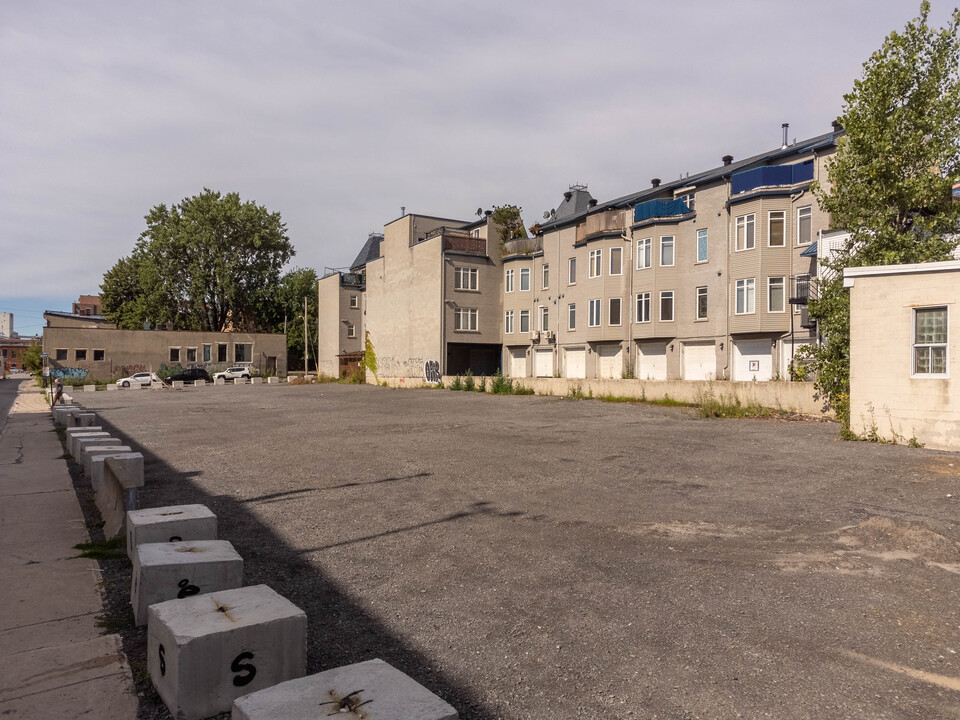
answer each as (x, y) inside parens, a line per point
(232, 373)
(144, 378)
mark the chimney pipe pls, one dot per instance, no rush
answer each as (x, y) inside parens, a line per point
(727, 159)
(837, 127)
(567, 195)
(786, 127)
(488, 213)
(593, 202)
(655, 182)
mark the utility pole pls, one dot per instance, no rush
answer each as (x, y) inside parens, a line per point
(306, 345)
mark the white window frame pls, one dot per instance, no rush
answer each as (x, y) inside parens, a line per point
(702, 235)
(783, 294)
(572, 271)
(690, 199)
(805, 213)
(668, 295)
(595, 266)
(543, 318)
(354, 302)
(351, 330)
(701, 292)
(524, 320)
(915, 371)
(619, 315)
(572, 316)
(465, 319)
(524, 279)
(745, 230)
(747, 289)
(643, 307)
(594, 313)
(644, 253)
(783, 229)
(618, 254)
(464, 278)
(508, 280)
(508, 322)
(545, 276)
(668, 241)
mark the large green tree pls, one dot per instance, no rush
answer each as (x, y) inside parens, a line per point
(202, 264)
(891, 177)
(296, 285)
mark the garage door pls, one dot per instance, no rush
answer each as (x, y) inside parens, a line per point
(543, 363)
(652, 361)
(518, 362)
(610, 361)
(699, 360)
(752, 360)
(576, 363)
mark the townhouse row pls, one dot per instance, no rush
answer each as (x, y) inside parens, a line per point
(704, 277)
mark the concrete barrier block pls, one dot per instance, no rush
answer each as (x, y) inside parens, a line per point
(205, 651)
(372, 690)
(172, 523)
(256, 381)
(97, 463)
(84, 419)
(74, 449)
(239, 381)
(63, 414)
(220, 381)
(134, 386)
(82, 430)
(98, 451)
(177, 383)
(89, 388)
(199, 383)
(156, 386)
(274, 380)
(82, 442)
(122, 477)
(111, 387)
(170, 570)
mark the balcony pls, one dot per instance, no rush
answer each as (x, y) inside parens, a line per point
(659, 209)
(522, 246)
(771, 176)
(456, 240)
(609, 221)
(803, 289)
(356, 280)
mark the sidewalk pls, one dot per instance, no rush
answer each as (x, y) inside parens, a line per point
(56, 663)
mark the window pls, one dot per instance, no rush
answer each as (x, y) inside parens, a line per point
(354, 302)
(98, 355)
(643, 253)
(465, 319)
(701, 303)
(524, 279)
(776, 224)
(544, 314)
(804, 225)
(666, 251)
(207, 354)
(746, 294)
(221, 352)
(464, 278)
(242, 352)
(508, 322)
(572, 316)
(776, 290)
(616, 261)
(80, 354)
(546, 277)
(701, 246)
(930, 341)
(593, 316)
(60, 354)
(351, 330)
(524, 321)
(666, 306)
(508, 283)
(191, 355)
(572, 271)
(746, 239)
(613, 316)
(690, 199)
(175, 354)
(595, 269)
(643, 307)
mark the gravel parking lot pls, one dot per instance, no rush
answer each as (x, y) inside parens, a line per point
(538, 557)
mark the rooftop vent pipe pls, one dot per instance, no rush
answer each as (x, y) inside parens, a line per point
(786, 127)
(727, 159)
(593, 202)
(655, 182)
(567, 195)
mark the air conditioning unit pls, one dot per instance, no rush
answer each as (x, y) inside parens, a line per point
(806, 321)
(548, 335)
(535, 336)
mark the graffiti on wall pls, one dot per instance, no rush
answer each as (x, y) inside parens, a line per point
(127, 370)
(65, 373)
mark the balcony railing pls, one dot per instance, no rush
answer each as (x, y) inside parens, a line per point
(803, 289)
(457, 240)
(352, 279)
(771, 176)
(659, 208)
(523, 246)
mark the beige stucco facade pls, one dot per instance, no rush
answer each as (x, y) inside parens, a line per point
(340, 319)
(893, 393)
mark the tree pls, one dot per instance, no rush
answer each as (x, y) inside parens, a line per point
(203, 264)
(31, 358)
(296, 285)
(507, 217)
(890, 179)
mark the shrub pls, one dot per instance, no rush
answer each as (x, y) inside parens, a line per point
(456, 383)
(468, 383)
(499, 385)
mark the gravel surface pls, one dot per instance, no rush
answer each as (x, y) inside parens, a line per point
(538, 557)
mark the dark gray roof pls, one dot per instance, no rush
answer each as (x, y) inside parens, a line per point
(369, 251)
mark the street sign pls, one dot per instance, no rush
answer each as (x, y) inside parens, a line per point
(44, 354)
(46, 372)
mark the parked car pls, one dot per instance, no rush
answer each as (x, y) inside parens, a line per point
(191, 375)
(232, 373)
(144, 378)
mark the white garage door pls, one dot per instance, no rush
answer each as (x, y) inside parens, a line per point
(518, 362)
(543, 363)
(652, 361)
(610, 360)
(699, 360)
(576, 363)
(752, 360)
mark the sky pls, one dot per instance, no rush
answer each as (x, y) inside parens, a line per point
(337, 115)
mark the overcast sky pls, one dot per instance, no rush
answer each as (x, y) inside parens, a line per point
(338, 114)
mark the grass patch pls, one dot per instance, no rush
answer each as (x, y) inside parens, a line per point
(618, 399)
(711, 405)
(103, 550)
(65, 456)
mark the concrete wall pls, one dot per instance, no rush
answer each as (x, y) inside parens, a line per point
(335, 318)
(886, 396)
